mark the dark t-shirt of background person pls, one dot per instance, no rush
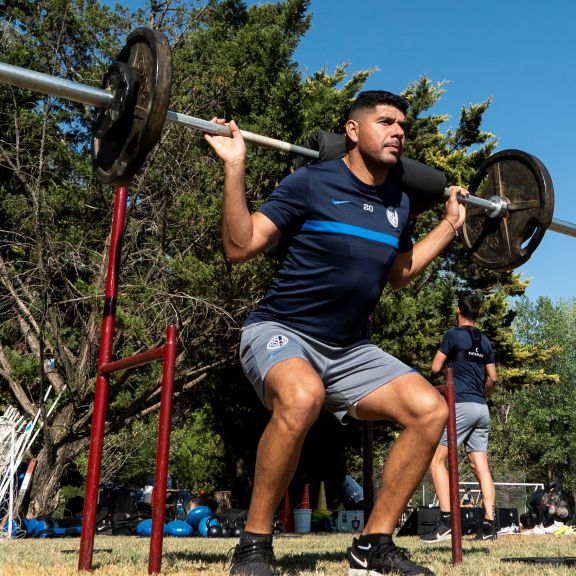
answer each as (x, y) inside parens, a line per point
(469, 377)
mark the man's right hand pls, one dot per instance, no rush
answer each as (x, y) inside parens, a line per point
(231, 150)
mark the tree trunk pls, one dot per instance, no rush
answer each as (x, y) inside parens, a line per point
(53, 461)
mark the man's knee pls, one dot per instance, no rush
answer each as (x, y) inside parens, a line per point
(299, 408)
(432, 410)
(478, 463)
(297, 400)
(307, 401)
(439, 459)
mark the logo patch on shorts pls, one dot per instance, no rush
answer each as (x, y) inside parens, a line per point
(277, 342)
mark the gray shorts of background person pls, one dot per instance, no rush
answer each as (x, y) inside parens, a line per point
(472, 423)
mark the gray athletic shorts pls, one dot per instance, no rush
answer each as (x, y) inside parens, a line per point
(472, 423)
(349, 374)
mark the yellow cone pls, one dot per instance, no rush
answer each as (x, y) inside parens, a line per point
(321, 508)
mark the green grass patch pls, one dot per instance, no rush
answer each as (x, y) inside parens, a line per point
(297, 555)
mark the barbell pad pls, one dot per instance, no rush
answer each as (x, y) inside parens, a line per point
(330, 145)
(424, 185)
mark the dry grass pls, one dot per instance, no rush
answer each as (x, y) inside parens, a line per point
(297, 555)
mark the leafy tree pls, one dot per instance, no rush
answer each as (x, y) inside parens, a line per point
(56, 220)
(537, 421)
(51, 272)
(196, 459)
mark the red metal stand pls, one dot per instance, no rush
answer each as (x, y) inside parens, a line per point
(159, 500)
(167, 353)
(453, 470)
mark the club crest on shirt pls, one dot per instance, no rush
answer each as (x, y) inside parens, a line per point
(277, 342)
(392, 216)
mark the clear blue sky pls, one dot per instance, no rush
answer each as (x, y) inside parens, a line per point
(522, 54)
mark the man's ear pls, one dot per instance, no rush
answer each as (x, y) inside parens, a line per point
(352, 130)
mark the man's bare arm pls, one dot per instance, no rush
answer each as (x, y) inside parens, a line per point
(490, 380)
(409, 265)
(244, 235)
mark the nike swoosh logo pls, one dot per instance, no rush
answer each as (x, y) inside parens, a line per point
(363, 563)
(364, 547)
(335, 202)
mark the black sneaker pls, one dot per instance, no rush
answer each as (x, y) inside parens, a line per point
(381, 556)
(487, 531)
(253, 556)
(441, 532)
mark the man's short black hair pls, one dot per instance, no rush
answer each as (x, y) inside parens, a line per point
(469, 304)
(373, 98)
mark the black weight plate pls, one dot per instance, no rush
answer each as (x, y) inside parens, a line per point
(119, 153)
(506, 242)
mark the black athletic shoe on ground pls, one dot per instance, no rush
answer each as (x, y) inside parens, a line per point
(487, 531)
(253, 556)
(441, 532)
(381, 556)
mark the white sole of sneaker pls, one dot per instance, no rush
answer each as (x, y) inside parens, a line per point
(442, 538)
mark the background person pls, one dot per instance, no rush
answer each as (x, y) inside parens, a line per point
(469, 353)
(467, 500)
(344, 230)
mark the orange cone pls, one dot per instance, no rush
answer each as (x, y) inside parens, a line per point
(305, 498)
(285, 515)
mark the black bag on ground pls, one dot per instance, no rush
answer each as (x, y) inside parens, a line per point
(545, 507)
(124, 514)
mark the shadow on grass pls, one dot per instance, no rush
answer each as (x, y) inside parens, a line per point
(483, 550)
(302, 561)
(308, 561)
(173, 556)
(557, 560)
(96, 551)
(447, 548)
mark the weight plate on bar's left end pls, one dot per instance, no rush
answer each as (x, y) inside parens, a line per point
(120, 145)
(506, 242)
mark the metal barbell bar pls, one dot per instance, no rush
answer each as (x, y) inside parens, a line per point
(563, 227)
(495, 207)
(85, 94)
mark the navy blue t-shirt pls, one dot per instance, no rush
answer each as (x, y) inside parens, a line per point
(469, 377)
(339, 239)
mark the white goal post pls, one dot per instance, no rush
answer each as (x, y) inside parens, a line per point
(508, 494)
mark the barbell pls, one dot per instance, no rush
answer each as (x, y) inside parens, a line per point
(511, 204)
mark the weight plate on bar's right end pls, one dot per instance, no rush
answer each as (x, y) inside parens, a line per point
(122, 142)
(523, 182)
